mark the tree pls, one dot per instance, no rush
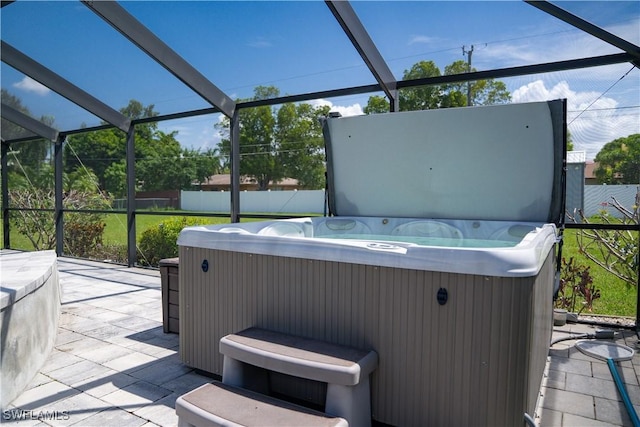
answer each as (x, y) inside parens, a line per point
(569, 141)
(104, 149)
(619, 161)
(161, 163)
(11, 130)
(28, 156)
(181, 168)
(301, 145)
(420, 97)
(83, 231)
(616, 251)
(483, 92)
(258, 148)
(206, 163)
(279, 143)
(376, 104)
(96, 151)
(115, 179)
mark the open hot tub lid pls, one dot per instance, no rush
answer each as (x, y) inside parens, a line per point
(502, 162)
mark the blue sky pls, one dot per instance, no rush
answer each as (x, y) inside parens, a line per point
(299, 47)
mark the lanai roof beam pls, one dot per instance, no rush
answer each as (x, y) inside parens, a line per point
(21, 62)
(28, 123)
(350, 23)
(141, 36)
(588, 27)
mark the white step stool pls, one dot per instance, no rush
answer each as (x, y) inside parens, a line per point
(345, 370)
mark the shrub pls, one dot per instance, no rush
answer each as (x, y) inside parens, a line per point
(111, 253)
(160, 242)
(576, 288)
(616, 251)
(83, 238)
(83, 231)
(36, 225)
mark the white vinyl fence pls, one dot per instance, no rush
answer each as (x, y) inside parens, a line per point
(596, 199)
(300, 201)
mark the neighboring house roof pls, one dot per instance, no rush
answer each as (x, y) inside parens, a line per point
(224, 180)
(589, 169)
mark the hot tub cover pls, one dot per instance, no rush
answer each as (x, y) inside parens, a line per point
(502, 162)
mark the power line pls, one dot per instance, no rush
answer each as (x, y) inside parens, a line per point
(603, 93)
(399, 58)
(607, 109)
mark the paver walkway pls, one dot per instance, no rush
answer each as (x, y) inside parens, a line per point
(578, 390)
(112, 365)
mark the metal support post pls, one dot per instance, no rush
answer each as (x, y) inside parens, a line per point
(4, 153)
(638, 271)
(638, 285)
(235, 166)
(394, 101)
(58, 192)
(131, 198)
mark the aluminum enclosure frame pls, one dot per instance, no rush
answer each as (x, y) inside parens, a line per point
(23, 63)
(127, 25)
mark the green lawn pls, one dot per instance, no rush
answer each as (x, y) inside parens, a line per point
(116, 230)
(616, 297)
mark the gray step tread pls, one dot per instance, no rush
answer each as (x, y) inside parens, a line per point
(217, 404)
(299, 356)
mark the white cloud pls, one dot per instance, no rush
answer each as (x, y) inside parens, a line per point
(627, 30)
(552, 45)
(195, 132)
(259, 42)
(537, 91)
(345, 111)
(592, 121)
(29, 85)
(508, 54)
(421, 40)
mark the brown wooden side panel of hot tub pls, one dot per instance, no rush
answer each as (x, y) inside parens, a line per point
(476, 360)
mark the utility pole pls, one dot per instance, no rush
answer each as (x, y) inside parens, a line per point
(468, 53)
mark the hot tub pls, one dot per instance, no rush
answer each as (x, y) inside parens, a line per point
(492, 248)
(451, 288)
